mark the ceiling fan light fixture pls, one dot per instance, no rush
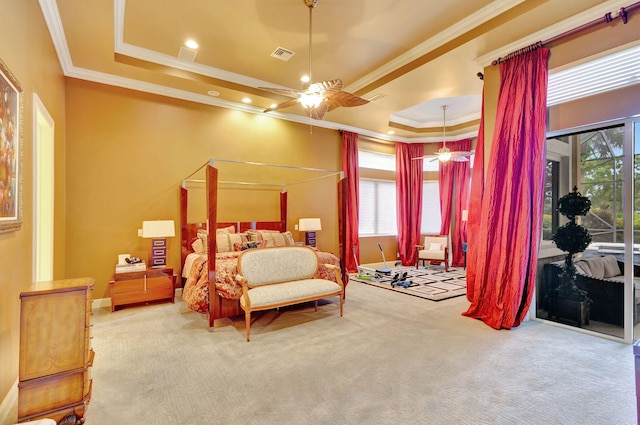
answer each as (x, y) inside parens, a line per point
(444, 154)
(311, 100)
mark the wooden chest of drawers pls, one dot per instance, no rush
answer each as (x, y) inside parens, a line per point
(141, 287)
(55, 350)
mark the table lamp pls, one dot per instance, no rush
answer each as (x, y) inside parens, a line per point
(310, 226)
(158, 231)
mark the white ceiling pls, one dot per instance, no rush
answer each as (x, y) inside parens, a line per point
(416, 55)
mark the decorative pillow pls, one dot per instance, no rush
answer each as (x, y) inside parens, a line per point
(288, 238)
(254, 235)
(596, 266)
(435, 246)
(273, 238)
(249, 245)
(611, 267)
(225, 230)
(222, 243)
(203, 236)
(235, 238)
(198, 247)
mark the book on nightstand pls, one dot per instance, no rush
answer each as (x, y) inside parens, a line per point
(128, 268)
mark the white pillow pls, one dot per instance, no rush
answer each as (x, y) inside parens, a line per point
(435, 246)
(198, 246)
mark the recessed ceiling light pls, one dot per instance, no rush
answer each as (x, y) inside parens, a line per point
(246, 100)
(304, 78)
(213, 93)
(391, 132)
(191, 43)
(273, 105)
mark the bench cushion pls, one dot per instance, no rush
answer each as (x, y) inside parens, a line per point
(291, 292)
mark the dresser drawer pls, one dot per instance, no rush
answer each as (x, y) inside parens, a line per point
(46, 347)
(52, 392)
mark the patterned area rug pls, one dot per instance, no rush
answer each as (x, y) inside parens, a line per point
(432, 283)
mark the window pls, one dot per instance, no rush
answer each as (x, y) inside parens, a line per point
(431, 218)
(376, 161)
(377, 215)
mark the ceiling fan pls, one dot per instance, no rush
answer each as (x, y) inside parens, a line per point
(316, 98)
(444, 153)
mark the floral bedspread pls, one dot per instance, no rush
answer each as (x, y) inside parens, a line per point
(196, 289)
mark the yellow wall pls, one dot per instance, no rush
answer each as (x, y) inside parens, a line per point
(127, 153)
(26, 49)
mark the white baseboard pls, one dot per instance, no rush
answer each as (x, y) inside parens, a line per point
(100, 303)
(8, 403)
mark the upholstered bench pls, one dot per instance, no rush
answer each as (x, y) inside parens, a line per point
(282, 276)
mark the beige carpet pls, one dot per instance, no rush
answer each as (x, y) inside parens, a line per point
(392, 359)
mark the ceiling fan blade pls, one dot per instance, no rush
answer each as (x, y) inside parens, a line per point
(344, 98)
(284, 92)
(318, 112)
(333, 86)
(283, 105)
(461, 153)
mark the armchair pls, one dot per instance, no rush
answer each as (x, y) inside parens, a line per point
(436, 249)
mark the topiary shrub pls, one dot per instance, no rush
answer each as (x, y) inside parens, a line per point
(572, 238)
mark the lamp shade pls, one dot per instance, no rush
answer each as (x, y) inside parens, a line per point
(158, 229)
(309, 224)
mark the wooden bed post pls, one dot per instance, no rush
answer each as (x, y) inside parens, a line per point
(342, 229)
(283, 211)
(212, 206)
(184, 243)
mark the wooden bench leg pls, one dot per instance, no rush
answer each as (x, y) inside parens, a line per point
(247, 318)
(316, 306)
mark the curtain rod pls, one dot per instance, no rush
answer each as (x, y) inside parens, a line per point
(607, 18)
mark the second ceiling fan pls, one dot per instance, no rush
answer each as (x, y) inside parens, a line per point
(445, 154)
(316, 98)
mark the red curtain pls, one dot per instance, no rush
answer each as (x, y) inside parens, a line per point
(461, 188)
(475, 206)
(409, 178)
(351, 173)
(511, 217)
(454, 184)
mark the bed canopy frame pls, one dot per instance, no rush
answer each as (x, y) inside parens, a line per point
(220, 307)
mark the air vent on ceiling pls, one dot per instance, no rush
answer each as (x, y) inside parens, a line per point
(282, 54)
(187, 54)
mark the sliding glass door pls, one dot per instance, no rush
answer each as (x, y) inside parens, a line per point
(602, 162)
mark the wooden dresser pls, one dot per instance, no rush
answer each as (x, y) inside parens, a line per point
(153, 284)
(55, 351)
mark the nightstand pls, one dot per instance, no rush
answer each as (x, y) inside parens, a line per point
(152, 284)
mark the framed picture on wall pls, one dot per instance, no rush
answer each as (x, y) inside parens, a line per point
(10, 151)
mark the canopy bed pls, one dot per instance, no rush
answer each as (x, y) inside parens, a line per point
(209, 258)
